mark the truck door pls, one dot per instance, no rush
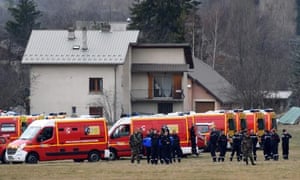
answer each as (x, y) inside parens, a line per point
(47, 144)
(119, 141)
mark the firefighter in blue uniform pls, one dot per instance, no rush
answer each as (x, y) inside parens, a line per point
(147, 145)
(213, 140)
(222, 145)
(285, 138)
(275, 140)
(193, 140)
(165, 147)
(154, 147)
(236, 146)
(266, 142)
(176, 149)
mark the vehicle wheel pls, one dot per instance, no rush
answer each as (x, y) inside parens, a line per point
(78, 160)
(94, 156)
(3, 159)
(32, 158)
(112, 155)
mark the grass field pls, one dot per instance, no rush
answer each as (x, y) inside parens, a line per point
(190, 168)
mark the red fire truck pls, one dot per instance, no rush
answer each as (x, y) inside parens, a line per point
(120, 132)
(58, 139)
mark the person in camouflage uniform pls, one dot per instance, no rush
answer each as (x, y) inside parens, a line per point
(246, 148)
(135, 143)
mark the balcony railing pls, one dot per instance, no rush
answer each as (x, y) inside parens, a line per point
(157, 95)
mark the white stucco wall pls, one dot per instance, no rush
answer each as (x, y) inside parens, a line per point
(56, 88)
(158, 55)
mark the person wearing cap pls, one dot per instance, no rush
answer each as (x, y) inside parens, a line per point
(275, 140)
(285, 138)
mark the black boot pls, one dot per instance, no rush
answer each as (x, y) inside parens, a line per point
(252, 162)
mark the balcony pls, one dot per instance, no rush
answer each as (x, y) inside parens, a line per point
(157, 95)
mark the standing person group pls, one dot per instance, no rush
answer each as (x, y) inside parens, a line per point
(163, 146)
(270, 141)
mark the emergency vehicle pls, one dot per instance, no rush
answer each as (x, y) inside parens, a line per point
(58, 139)
(120, 132)
(11, 126)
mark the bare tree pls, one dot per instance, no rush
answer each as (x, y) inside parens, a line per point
(246, 47)
(106, 101)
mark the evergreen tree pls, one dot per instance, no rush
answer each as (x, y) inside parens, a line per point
(161, 20)
(25, 16)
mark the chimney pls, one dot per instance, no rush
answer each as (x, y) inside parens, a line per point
(84, 39)
(105, 27)
(71, 33)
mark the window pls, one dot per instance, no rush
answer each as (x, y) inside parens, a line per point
(46, 134)
(261, 124)
(121, 131)
(162, 85)
(96, 111)
(243, 124)
(8, 127)
(165, 108)
(202, 129)
(96, 84)
(231, 124)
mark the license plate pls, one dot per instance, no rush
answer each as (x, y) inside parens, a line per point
(10, 158)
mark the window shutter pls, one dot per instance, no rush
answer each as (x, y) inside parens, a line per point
(177, 89)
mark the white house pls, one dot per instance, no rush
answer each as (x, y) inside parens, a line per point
(105, 72)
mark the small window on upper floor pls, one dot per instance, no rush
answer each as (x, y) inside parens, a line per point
(96, 85)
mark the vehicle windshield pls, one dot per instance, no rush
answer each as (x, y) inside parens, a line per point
(30, 133)
(202, 129)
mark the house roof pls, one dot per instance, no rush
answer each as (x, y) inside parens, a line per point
(212, 81)
(185, 46)
(54, 47)
(278, 95)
